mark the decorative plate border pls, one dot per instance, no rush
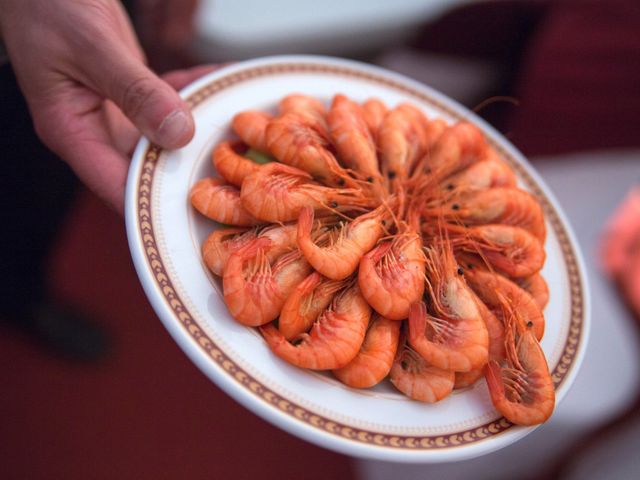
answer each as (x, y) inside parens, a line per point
(144, 187)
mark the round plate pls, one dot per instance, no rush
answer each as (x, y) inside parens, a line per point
(165, 235)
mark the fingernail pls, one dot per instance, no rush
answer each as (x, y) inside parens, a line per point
(175, 130)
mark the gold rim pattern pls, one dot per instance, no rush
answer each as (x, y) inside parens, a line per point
(406, 442)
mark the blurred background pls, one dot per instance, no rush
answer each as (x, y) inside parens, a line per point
(92, 384)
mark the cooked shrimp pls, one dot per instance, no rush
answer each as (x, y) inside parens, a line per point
(295, 140)
(307, 301)
(537, 287)
(251, 127)
(401, 140)
(391, 276)
(277, 193)
(351, 137)
(488, 173)
(457, 147)
(218, 201)
(373, 361)
(374, 111)
(344, 248)
(221, 243)
(334, 339)
(413, 376)
(254, 289)
(493, 289)
(495, 330)
(522, 390)
(230, 164)
(454, 336)
(219, 246)
(508, 249)
(508, 206)
(466, 379)
(307, 106)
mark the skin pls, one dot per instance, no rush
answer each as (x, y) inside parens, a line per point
(90, 94)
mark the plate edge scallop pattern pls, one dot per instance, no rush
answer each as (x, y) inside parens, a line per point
(346, 432)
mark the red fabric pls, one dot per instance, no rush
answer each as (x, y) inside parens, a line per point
(579, 88)
(146, 412)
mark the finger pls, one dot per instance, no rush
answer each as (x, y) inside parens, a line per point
(106, 177)
(150, 103)
(179, 79)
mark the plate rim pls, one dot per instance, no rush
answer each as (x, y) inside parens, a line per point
(138, 215)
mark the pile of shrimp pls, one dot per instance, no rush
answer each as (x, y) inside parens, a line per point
(376, 242)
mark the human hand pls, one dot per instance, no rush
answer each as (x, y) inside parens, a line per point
(82, 72)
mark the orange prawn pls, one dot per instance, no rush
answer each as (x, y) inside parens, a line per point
(493, 289)
(334, 339)
(218, 201)
(297, 141)
(507, 206)
(251, 126)
(508, 249)
(523, 389)
(413, 376)
(352, 138)
(254, 289)
(374, 111)
(230, 164)
(454, 336)
(457, 147)
(537, 287)
(344, 246)
(278, 193)
(307, 301)
(373, 361)
(391, 276)
(309, 107)
(487, 173)
(401, 140)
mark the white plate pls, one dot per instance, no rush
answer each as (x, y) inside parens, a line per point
(165, 235)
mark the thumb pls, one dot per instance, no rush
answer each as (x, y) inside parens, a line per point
(151, 104)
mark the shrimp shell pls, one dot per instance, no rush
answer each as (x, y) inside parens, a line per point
(221, 202)
(507, 206)
(391, 276)
(374, 111)
(351, 137)
(523, 389)
(255, 290)
(232, 166)
(297, 141)
(340, 258)
(375, 358)
(307, 301)
(334, 339)
(251, 126)
(413, 376)
(493, 289)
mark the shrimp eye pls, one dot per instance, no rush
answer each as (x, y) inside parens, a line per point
(455, 206)
(334, 204)
(404, 365)
(460, 271)
(450, 186)
(529, 324)
(470, 266)
(392, 174)
(370, 179)
(384, 222)
(341, 182)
